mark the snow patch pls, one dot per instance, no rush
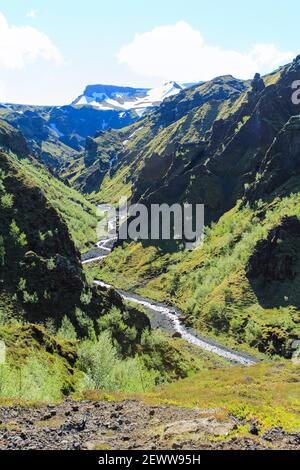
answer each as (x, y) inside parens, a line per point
(139, 102)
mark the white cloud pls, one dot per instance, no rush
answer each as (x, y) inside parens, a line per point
(31, 14)
(179, 52)
(20, 45)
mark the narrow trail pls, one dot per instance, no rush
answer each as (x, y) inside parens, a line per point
(164, 316)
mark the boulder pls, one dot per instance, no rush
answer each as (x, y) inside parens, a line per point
(207, 425)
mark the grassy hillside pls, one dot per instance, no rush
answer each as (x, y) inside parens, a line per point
(41, 274)
(267, 394)
(79, 215)
(77, 212)
(38, 365)
(213, 284)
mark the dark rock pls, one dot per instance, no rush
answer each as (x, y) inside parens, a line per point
(254, 430)
(177, 335)
(280, 163)
(81, 426)
(257, 84)
(12, 139)
(276, 257)
(114, 427)
(176, 445)
(46, 417)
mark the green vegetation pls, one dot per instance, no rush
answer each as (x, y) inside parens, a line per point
(110, 361)
(36, 380)
(106, 370)
(225, 143)
(266, 393)
(211, 283)
(79, 215)
(38, 366)
(36, 247)
(41, 366)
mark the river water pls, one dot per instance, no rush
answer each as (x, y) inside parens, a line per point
(163, 316)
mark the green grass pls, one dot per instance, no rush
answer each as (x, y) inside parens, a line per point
(266, 392)
(38, 366)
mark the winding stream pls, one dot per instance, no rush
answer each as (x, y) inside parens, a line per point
(163, 316)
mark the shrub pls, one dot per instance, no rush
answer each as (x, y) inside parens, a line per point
(237, 326)
(253, 333)
(7, 201)
(114, 323)
(16, 234)
(104, 368)
(86, 324)
(67, 330)
(86, 297)
(37, 379)
(216, 316)
(51, 264)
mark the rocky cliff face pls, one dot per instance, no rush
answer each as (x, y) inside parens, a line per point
(168, 143)
(57, 134)
(237, 146)
(12, 139)
(276, 257)
(210, 143)
(280, 163)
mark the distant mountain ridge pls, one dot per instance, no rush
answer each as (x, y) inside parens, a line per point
(118, 98)
(57, 133)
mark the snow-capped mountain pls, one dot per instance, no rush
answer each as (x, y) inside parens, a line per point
(117, 98)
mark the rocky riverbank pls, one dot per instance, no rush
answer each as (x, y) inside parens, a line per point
(103, 425)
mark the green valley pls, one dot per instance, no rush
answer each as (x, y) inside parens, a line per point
(200, 345)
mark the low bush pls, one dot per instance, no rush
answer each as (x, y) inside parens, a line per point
(37, 379)
(105, 369)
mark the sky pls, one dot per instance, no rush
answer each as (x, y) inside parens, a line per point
(50, 50)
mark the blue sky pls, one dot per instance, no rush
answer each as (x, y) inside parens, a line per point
(58, 47)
